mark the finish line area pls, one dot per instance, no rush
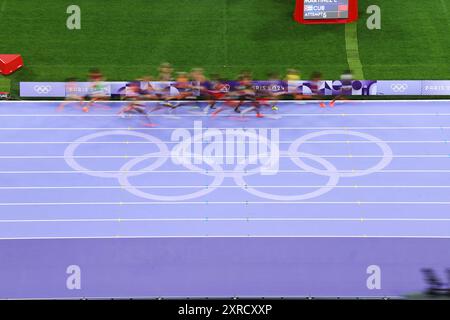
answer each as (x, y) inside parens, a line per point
(360, 169)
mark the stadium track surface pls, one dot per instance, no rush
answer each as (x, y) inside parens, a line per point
(360, 169)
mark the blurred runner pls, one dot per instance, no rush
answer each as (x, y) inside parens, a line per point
(346, 89)
(243, 92)
(165, 72)
(134, 94)
(73, 94)
(97, 90)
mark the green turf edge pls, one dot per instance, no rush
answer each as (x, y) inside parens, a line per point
(5, 84)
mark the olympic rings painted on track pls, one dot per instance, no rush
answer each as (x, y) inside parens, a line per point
(384, 162)
(71, 149)
(332, 182)
(123, 180)
(180, 152)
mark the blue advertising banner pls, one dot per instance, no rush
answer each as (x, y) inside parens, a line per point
(301, 87)
(61, 89)
(333, 88)
(157, 87)
(274, 86)
(87, 88)
(43, 89)
(435, 88)
(399, 88)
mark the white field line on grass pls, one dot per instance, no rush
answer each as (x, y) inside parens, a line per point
(3, 6)
(446, 12)
(352, 50)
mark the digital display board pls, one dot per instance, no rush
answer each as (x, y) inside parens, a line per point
(326, 9)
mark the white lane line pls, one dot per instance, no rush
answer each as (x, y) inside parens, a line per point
(193, 297)
(224, 128)
(221, 187)
(233, 142)
(23, 204)
(215, 171)
(227, 115)
(228, 236)
(349, 156)
(229, 220)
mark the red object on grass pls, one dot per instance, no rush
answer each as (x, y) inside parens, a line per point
(10, 63)
(300, 11)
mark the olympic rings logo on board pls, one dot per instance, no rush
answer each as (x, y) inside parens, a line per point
(42, 89)
(399, 87)
(190, 153)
